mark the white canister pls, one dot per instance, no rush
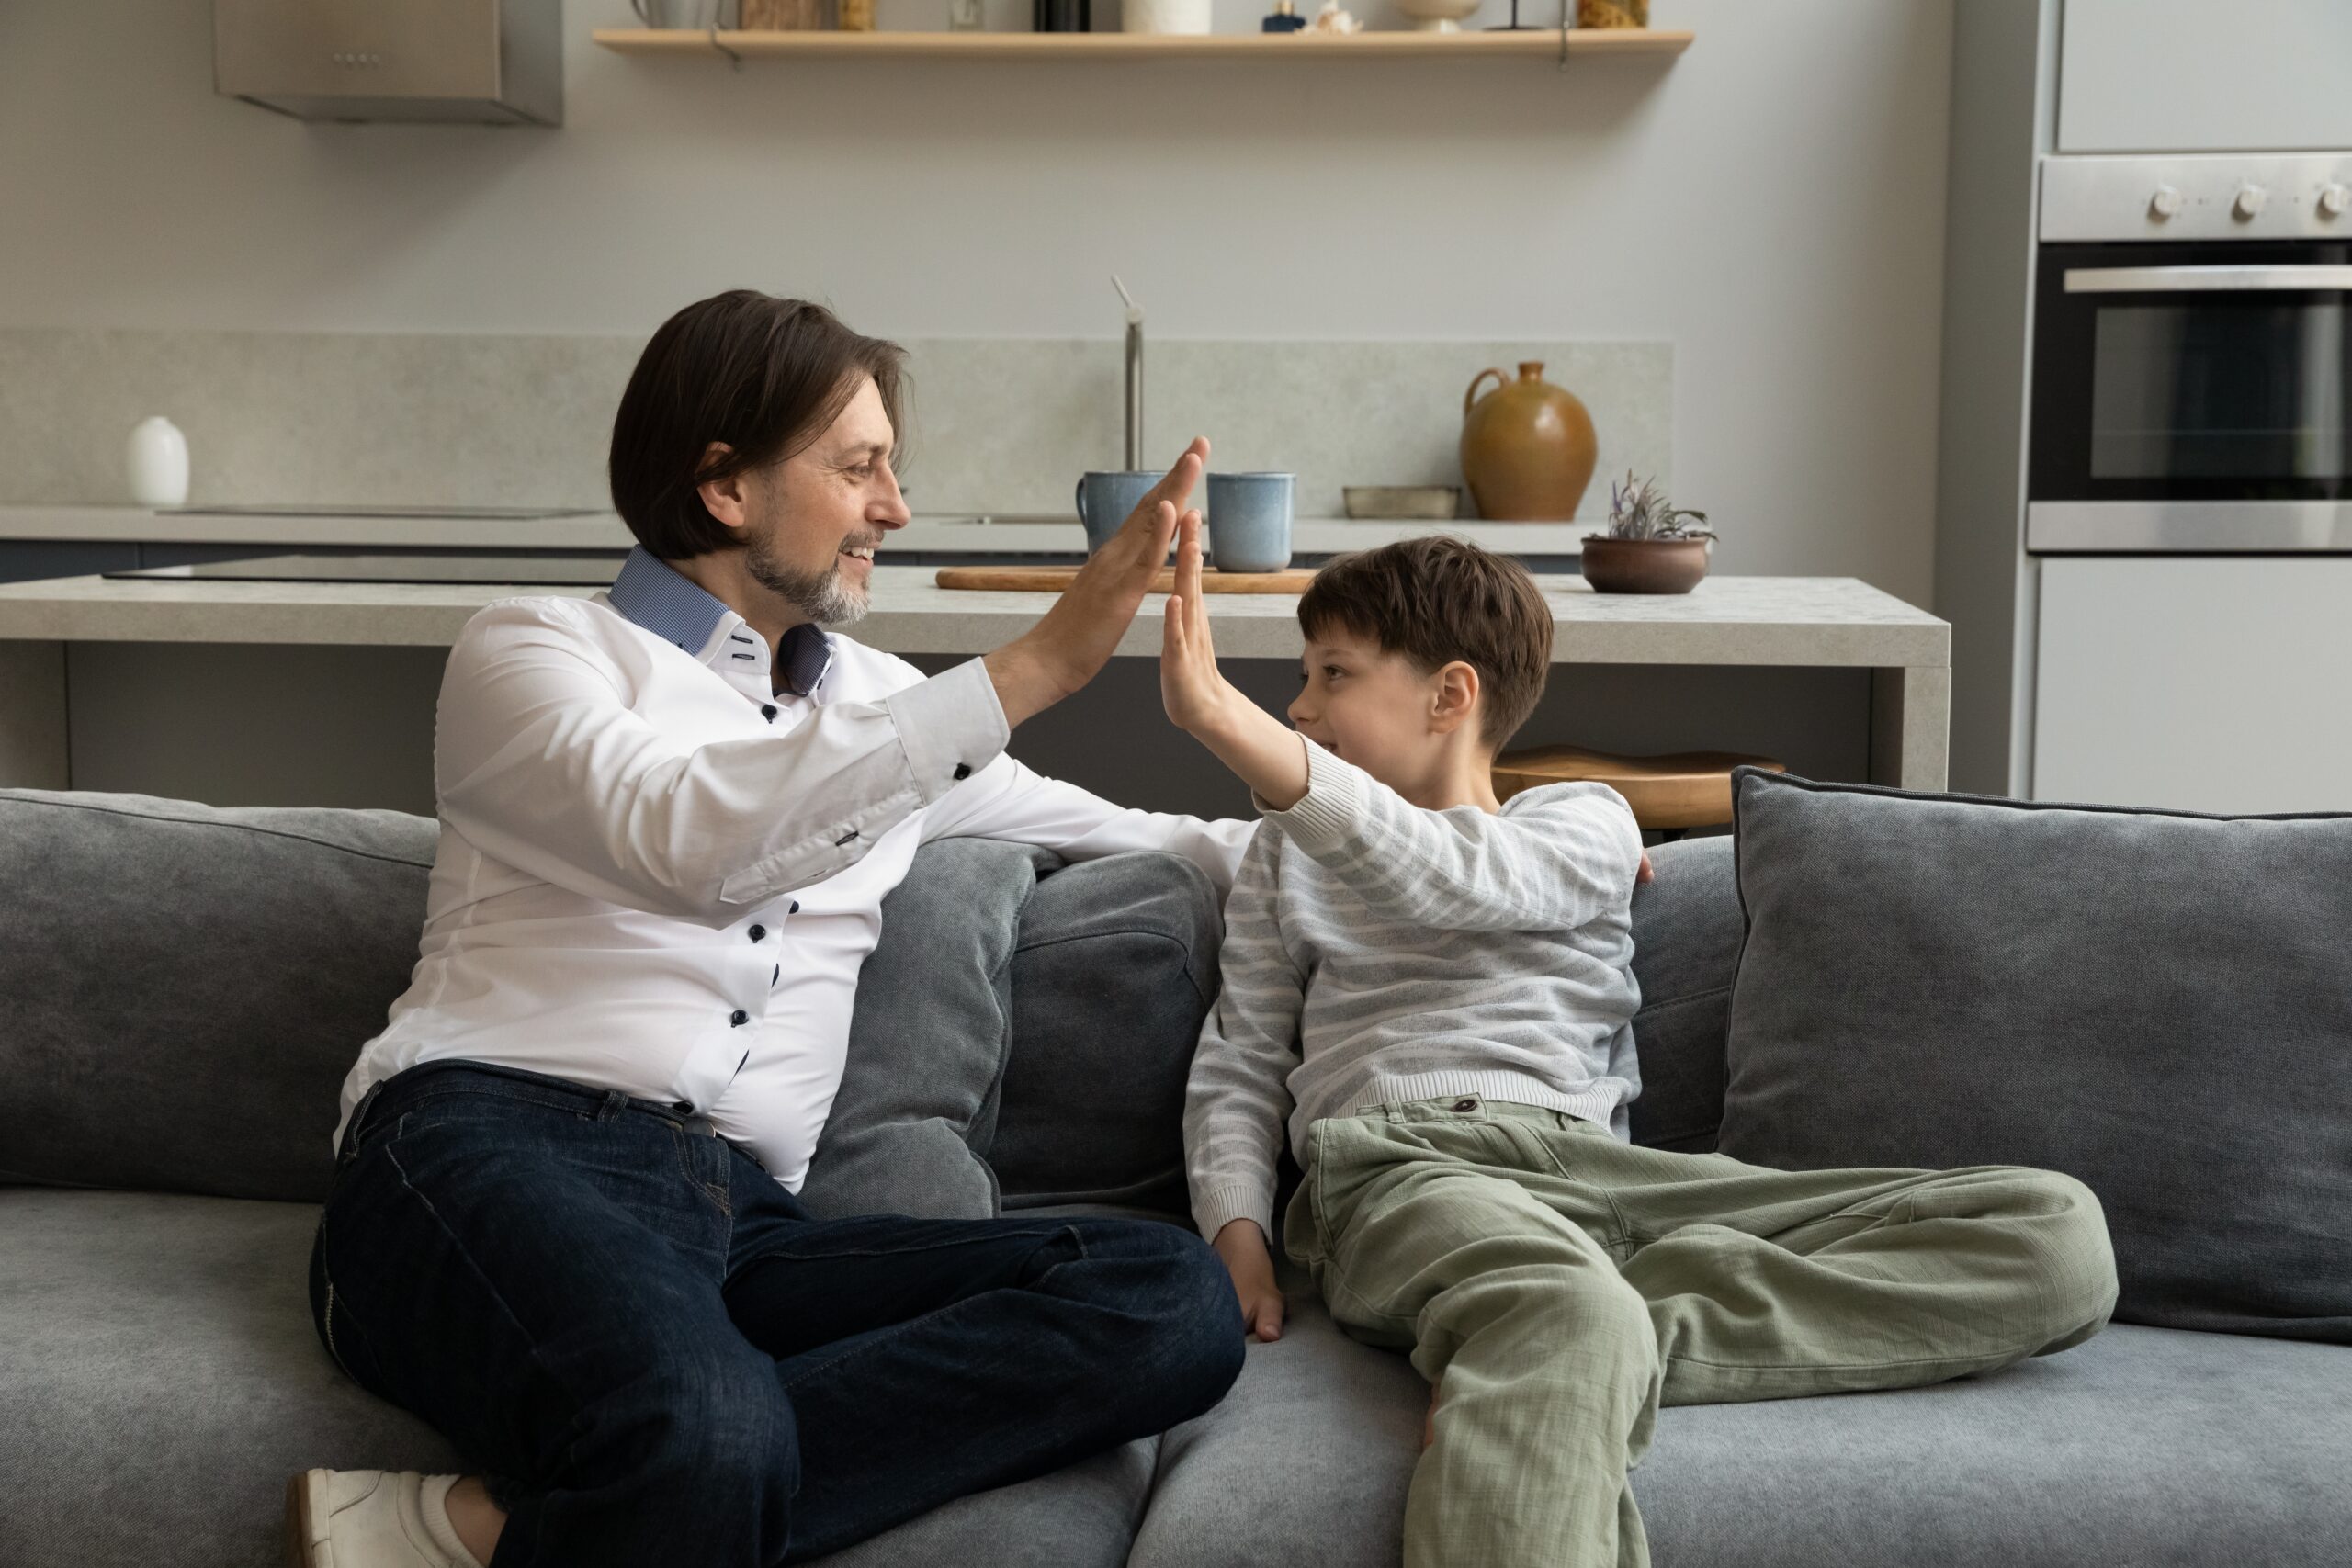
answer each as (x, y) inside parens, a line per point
(158, 463)
(1164, 16)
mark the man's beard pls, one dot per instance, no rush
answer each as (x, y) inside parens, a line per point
(822, 596)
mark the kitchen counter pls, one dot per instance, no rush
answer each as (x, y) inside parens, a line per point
(929, 533)
(1821, 622)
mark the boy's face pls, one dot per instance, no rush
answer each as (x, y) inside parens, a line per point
(1370, 708)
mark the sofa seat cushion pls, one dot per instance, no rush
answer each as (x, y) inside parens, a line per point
(2145, 1447)
(162, 1381)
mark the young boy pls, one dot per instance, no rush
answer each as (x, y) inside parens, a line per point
(1437, 990)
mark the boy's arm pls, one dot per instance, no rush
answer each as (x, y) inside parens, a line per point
(1238, 1095)
(1553, 865)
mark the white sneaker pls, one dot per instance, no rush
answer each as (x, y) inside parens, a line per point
(371, 1519)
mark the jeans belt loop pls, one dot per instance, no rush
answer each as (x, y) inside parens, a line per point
(613, 1104)
(349, 1149)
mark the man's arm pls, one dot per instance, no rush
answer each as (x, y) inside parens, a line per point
(1008, 800)
(539, 763)
(1238, 1095)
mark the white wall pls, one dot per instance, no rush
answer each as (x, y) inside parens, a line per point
(1772, 203)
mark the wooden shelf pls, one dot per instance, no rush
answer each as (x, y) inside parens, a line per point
(1543, 44)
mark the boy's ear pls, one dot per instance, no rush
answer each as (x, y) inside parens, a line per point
(1454, 699)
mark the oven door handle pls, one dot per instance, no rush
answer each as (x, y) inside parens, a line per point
(2202, 280)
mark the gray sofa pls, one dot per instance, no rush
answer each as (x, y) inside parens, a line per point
(182, 988)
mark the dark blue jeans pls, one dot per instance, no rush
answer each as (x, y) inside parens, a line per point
(654, 1355)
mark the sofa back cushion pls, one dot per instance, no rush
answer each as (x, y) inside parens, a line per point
(2157, 1003)
(1686, 945)
(184, 987)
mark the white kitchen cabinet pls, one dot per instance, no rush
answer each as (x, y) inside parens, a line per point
(2203, 683)
(2189, 75)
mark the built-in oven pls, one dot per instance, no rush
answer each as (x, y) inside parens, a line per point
(2192, 357)
(2189, 482)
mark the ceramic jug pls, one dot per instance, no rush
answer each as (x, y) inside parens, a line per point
(1527, 447)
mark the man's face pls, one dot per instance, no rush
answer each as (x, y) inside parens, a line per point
(821, 512)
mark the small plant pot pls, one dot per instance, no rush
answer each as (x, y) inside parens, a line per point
(1643, 566)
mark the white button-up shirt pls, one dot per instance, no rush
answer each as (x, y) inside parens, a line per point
(657, 874)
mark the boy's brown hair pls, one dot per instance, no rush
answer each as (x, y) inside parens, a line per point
(1435, 600)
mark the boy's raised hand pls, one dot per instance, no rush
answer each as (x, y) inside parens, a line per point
(1263, 752)
(1243, 1246)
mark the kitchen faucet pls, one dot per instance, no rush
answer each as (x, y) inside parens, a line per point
(1134, 376)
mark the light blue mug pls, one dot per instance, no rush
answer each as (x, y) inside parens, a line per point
(1105, 500)
(1249, 521)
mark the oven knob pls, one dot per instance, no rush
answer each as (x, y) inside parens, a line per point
(2251, 200)
(2164, 204)
(2333, 199)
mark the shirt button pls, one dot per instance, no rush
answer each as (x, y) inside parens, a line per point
(767, 711)
(758, 933)
(794, 909)
(962, 770)
(739, 1018)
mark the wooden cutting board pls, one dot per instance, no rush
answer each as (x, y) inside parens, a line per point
(1054, 579)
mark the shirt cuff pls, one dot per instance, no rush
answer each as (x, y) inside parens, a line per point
(1221, 1206)
(950, 726)
(1325, 816)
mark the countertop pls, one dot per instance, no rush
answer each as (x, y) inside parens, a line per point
(605, 531)
(1819, 621)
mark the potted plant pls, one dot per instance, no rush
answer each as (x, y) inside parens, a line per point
(1649, 547)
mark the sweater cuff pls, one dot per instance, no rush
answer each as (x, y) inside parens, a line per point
(1220, 1206)
(1329, 810)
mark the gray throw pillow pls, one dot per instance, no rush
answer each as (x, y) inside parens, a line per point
(2157, 1003)
(911, 1123)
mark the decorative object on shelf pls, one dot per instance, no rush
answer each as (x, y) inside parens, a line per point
(965, 17)
(1332, 20)
(1439, 502)
(1648, 549)
(1613, 12)
(1061, 16)
(1164, 17)
(158, 463)
(854, 15)
(1282, 18)
(782, 16)
(1527, 447)
(1437, 15)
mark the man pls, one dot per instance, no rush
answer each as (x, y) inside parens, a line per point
(562, 1227)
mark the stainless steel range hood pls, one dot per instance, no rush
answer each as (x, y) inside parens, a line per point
(481, 62)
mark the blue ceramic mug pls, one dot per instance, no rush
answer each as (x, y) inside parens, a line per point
(1249, 521)
(1105, 500)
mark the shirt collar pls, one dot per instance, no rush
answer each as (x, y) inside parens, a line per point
(664, 601)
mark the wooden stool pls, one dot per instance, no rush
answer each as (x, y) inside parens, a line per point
(1688, 789)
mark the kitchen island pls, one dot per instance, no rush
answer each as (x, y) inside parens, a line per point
(105, 682)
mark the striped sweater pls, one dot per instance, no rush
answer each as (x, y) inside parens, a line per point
(1376, 951)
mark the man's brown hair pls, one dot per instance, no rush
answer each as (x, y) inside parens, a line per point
(1435, 600)
(763, 375)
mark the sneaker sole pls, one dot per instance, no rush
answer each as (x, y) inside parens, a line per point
(306, 1502)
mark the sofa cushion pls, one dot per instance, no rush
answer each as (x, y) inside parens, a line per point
(2147, 1447)
(2157, 1003)
(934, 1020)
(1115, 968)
(184, 987)
(1687, 933)
(162, 1381)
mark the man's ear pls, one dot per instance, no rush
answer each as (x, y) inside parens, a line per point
(1455, 699)
(730, 499)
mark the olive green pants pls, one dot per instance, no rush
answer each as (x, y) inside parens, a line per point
(1557, 1286)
